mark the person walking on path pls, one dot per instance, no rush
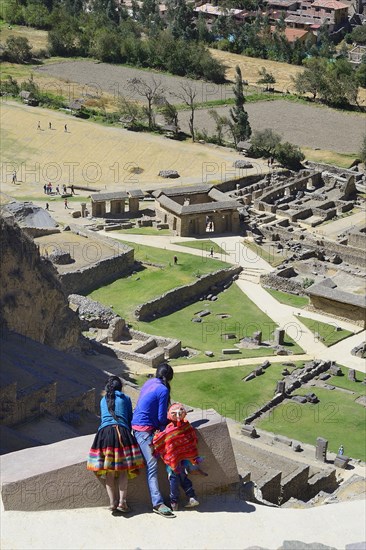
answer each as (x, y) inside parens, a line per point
(211, 251)
(39, 125)
(47, 206)
(115, 453)
(65, 127)
(50, 126)
(66, 205)
(14, 177)
(150, 415)
(72, 189)
(177, 446)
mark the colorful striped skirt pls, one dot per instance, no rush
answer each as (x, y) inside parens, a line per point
(115, 449)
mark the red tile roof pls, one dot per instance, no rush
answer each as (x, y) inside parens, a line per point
(329, 4)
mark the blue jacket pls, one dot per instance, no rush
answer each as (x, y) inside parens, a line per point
(122, 410)
(152, 405)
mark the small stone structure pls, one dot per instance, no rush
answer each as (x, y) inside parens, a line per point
(117, 202)
(196, 210)
(321, 449)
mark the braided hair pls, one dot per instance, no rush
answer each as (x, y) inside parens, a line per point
(113, 384)
(165, 373)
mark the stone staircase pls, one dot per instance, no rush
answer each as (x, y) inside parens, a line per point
(251, 274)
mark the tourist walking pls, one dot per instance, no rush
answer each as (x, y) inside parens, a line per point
(65, 127)
(66, 204)
(47, 206)
(211, 251)
(14, 177)
(177, 446)
(115, 453)
(39, 125)
(151, 415)
(50, 126)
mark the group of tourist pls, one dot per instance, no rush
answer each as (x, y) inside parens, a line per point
(127, 441)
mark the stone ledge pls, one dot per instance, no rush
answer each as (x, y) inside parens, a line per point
(54, 477)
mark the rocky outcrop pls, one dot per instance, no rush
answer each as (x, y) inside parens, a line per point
(32, 302)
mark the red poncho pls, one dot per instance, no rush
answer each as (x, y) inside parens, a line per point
(176, 443)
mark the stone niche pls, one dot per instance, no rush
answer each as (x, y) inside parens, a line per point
(53, 477)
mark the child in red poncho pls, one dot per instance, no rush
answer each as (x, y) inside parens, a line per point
(177, 446)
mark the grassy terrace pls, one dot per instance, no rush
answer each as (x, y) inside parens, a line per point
(244, 317)
(204, 245)
(270, 256)
(337, 417)
(225, 391)
(288, 299)
(328, 334)
(126, 294)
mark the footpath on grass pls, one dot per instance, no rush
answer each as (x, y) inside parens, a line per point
(285, 316)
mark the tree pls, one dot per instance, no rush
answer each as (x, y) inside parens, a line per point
(264, 142)
(170, 115)
(17, 49)
(363, 150)
(131, 112)
(266, 78)
(36, 15)
(241, 128)
(359, 34)
(221, 123)
(312, 79)
(180, 17)
(188, 94)
(361, 73)
(289, 155)
(152, 91)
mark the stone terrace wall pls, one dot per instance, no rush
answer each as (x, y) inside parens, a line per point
(276, 282)
(349, 254)
(98, 274)
(182, 296)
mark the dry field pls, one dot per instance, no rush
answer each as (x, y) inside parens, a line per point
(100, 157)
(250, 66)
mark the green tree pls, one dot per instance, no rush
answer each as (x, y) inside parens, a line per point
(36, 15)
(267, 78)
(289, 155)
(264, 142)
(359, 34)
(180, 19)
(17, 49)
(361, 73)
(363, 150)
(131, 112)
(221, 124)
(170, 115)
(239, 116)
(312, 79)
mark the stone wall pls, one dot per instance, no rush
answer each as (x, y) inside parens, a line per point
(100, 273)
(332, 307)
(277, 282)
(348, 253)
(32, 301)
(182, 296)
(357, 239)
(171, 346)
(54, 477)
(35, 232)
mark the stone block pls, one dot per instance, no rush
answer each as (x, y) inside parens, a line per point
(321, 449)
(227, 351)
(209, 353)
(258, 371)
(248, 430)
(53, 477)
(341, 461)
(299, 399)
(352, 375)
(265, 364)
(283, 439)
(203, 313)
(76, 214)
(116, 329)
(249, 377)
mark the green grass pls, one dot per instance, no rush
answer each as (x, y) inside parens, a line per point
(204, 245)
(144, 231)
(327, 333)
(224, 390)
(245, 319)
(271, 257)
(127, 293)
(289, 299)
(336, 417)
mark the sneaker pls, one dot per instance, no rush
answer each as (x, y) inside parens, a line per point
(192, 503)
(174, 506)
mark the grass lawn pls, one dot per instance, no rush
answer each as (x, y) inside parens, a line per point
(204, 245)
(289, 299)
(224, 390)
(273, 258)
(127, 293)
(245, 319)
(144, 231)
(336, 417)
(329, 157)
(327, 333)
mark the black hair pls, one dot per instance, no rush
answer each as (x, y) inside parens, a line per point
(114, 383)
(165, 373)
